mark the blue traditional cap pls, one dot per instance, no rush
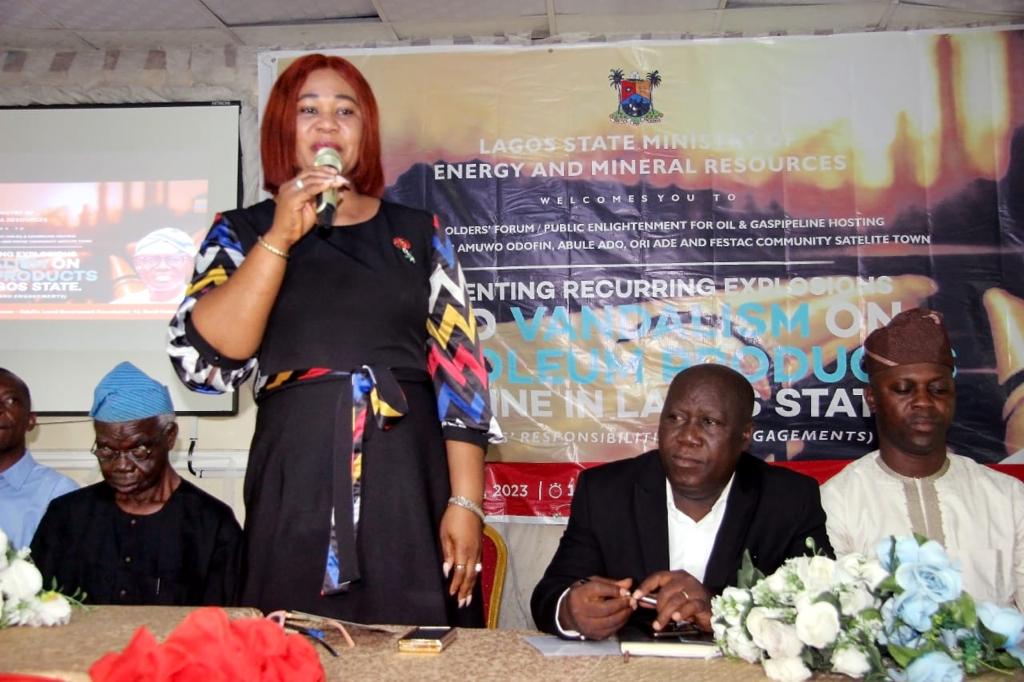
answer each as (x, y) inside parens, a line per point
(127, 394)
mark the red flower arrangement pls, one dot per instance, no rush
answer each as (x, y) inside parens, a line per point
(207, 646)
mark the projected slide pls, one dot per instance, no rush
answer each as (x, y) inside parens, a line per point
(88, 249)
(102, 210)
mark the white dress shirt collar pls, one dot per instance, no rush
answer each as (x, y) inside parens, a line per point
(690, 542)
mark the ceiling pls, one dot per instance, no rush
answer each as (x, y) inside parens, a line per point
(105, 24)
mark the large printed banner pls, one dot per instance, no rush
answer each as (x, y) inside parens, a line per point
(624, 211)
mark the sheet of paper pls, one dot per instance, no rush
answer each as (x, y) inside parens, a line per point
(549, 645)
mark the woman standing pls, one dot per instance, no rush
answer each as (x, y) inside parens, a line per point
(365, 474)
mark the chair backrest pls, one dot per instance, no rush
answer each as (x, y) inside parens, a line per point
(494, 557)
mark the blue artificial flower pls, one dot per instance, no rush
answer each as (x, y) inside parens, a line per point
(935, 666)
(897, 633)
(932, 553)
(940, 582)
(908, 551)
(915, 609)
(1007, 622)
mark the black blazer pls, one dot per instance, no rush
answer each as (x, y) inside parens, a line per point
(618, 527)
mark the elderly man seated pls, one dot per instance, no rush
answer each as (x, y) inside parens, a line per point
(674, 522)
(143, 535)
(913, 483)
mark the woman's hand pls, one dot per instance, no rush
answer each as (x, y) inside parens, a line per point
(461, 538)
(295, 214)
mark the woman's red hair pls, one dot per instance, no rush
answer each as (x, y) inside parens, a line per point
(277, 134)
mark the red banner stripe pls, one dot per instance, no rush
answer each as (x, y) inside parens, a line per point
(530, 489)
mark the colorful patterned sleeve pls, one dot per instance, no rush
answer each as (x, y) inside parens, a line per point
(197, 363)
(454, 357)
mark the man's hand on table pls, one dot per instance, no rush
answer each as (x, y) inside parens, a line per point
(597, 607)
(681, 597)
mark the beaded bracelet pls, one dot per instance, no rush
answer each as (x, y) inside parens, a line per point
(271, 248)
(466, 503)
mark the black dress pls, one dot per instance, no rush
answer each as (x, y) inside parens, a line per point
(352, 297)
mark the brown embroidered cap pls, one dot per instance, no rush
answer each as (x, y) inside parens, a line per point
(913, 336)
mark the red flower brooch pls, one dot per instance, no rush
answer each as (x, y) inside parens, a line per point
(403, 244)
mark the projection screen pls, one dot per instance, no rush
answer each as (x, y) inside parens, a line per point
(102, 209)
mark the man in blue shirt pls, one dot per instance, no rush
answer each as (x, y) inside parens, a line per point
(26, 487)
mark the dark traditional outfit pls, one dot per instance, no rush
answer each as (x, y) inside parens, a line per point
(369, 362)
(186, 554)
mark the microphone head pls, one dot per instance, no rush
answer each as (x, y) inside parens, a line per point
(328, 200)
(327, 156)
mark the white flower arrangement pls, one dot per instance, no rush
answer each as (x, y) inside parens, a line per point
(23, 601)
(902, 616)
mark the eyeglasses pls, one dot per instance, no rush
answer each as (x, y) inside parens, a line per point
(172, 260)
(137, 454)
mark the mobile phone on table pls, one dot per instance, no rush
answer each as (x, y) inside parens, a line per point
(685, 630)
(426, 640)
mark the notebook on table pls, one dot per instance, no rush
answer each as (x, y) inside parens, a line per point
(637, 640)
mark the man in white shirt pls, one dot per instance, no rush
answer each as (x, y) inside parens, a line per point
(913, 483)
(674, 523)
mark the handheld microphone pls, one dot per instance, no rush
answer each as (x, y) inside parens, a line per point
(327, 201)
